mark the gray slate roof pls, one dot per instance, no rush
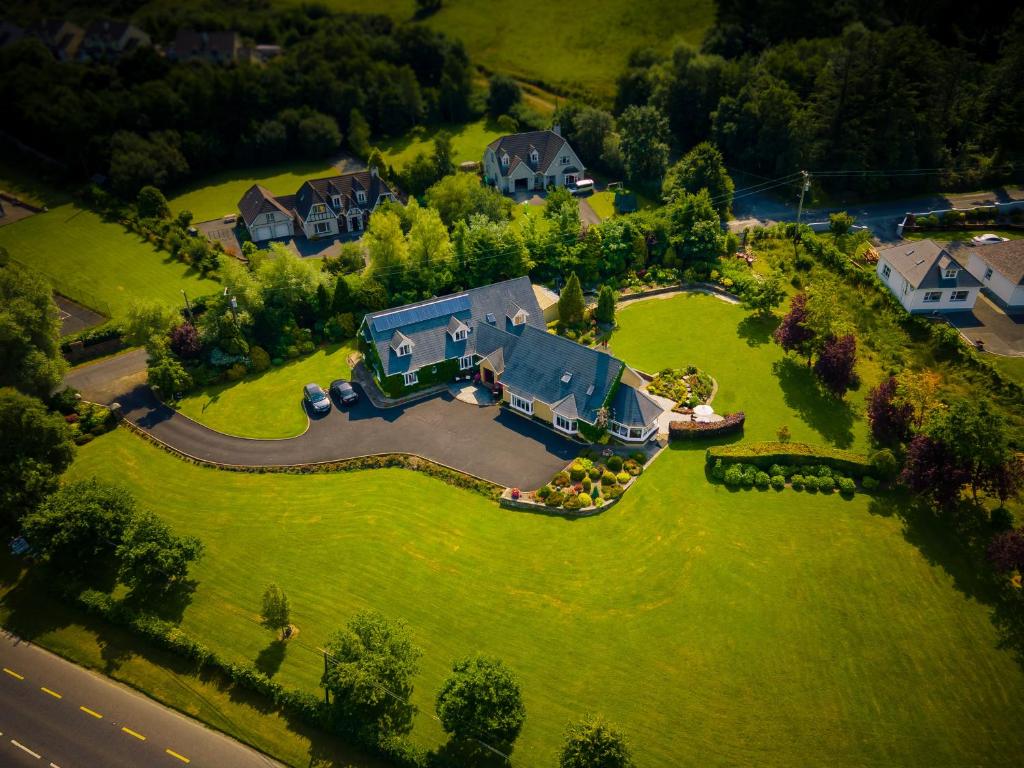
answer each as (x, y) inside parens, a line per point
(518, 146)
(540, 360)
(345, 186)
(1005, 258)
(633, 407)
(922, 263)
(428, 330)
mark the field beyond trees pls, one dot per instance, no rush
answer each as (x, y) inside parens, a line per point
(686, 614)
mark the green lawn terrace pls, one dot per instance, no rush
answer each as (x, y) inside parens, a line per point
(469, 140)
(754, 627)
(98, 263)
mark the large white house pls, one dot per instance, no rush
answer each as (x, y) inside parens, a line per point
(533, 160)
(321, 208)
(1000, 268)
(925, 277)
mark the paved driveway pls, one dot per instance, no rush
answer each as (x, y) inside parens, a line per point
(1002, 334)
(486, 441)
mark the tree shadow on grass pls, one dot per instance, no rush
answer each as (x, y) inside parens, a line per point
(271, 658)
(757, 329)
(831, 418)
(462, 752)
(169, 605)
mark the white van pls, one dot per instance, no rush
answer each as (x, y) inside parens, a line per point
(582, 187)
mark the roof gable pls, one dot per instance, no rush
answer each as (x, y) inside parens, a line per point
(1005, 258)
(923, 265)
(519, 146)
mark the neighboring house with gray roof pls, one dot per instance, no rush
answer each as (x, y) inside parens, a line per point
(498, 332)
(1000, 268)
(534, 160)
(925, 277)
(321, 208)
(109, 39)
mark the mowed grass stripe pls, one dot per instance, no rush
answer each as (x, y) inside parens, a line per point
(740, 627)
(99, 262)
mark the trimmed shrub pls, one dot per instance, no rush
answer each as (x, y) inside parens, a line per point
(235, 372)
(733, 476)
(826, 484)
(776, 469)
(639, 457)
(614, 463)
(809, 457)
(543, 492)
(259, 359)
(762, 479)
(846, 486)
(607, 478)
(634, 468)
(811, 483)
(585, 500)
(884, 464)
(594, 473)
(613, 492)
(555, 499)
(561, 479)
(718, 471)
(797, 481)
(691, 430)
(587, 484)
(572, 501)
(778, 482)
(577, 472)
(747, 481)
(823, 471)
(869, 483)
(623, 477)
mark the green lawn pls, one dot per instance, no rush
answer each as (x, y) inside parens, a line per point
(268, 404)
(752, 373)
(946, 236)
(1009, 366)
(468, 142)
(219, 193)
(715, 627)
(603, 204)
(98, 263)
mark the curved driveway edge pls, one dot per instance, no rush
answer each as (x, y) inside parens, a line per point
(490, 443)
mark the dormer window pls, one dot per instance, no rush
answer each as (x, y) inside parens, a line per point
(360, 196)
(504, 161)
(950, 273)
(534, 157)
(519, 318)
(404, 349)
(336, 201)
(460, 335)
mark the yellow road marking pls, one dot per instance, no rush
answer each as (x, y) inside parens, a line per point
(52, 693)
(88, 711)
(172, 753)
(130, 732)
(14, 674)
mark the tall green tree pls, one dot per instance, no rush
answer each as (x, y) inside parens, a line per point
(503, 93)
(80, 526)
(570, 303)
(147, 319)
(30, 357)
(701, 168)
(461, 195)
(35, 449)
(594, 743)
(763, 296)
(481, 700)
(605, 312)
(276, 610)
(442, 157)
(388, 251)
(359, 134)
(152, 558)
(341, 300)
(644, 142)
(151, 204)
(370, 667)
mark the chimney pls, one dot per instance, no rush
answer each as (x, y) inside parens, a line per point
(556, 129)
(373, 171)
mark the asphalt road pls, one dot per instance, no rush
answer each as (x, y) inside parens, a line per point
(53, 713)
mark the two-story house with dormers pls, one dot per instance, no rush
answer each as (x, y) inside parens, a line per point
(498, 332)
(321, 208)
(925, 277)
(534, 160)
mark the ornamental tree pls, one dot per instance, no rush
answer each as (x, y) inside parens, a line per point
(890, 420)
(481, 700)
(593, 743)
(976, 437)
(605, 312)
(276, 611)
(793, 333)
(370, 666)
(932, 470)
(185, 341)
(1006, 551)
(152, 558)
(835, 364)
(763, 296)
(570, 302)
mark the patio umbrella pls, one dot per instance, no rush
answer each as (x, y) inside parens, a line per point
(703, 410)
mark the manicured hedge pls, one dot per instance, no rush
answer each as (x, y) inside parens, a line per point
(692, 430)
(764, 455)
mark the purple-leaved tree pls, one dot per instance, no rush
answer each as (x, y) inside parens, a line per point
(185, 340)
(890, 422)
(793, 335)
(835, 363)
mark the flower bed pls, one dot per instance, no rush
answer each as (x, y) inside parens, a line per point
(692, 430)
(687, 386)
(585, 486)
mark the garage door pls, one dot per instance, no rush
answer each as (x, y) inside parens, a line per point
(261, 233)
(282, 230)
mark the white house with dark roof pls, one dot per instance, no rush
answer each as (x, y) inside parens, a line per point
(534, 160)
(321, 208)
(498, 332)
(1000, 268)
(925, 277)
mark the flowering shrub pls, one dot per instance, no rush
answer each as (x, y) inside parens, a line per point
(516, 493)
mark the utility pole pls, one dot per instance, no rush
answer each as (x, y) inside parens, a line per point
(188, 308)
(806, 185)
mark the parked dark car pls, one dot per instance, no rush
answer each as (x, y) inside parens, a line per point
(316, 397)
(344, 392)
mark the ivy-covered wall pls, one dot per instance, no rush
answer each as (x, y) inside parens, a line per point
(429, 375)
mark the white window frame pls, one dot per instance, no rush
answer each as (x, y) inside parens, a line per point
(930, 297)
(465, 362)
(565, 424)
(886, 271)
(504, 161)
(988, 274)
(403, 350)
(319, 208)
(565, 159)
(336, 201)
(959, 296)
(321, 227)
(950, 273)
(534, 157)
(519, 319)
(521, 404)
(410, 378)
(460, 335)
(360, 196)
